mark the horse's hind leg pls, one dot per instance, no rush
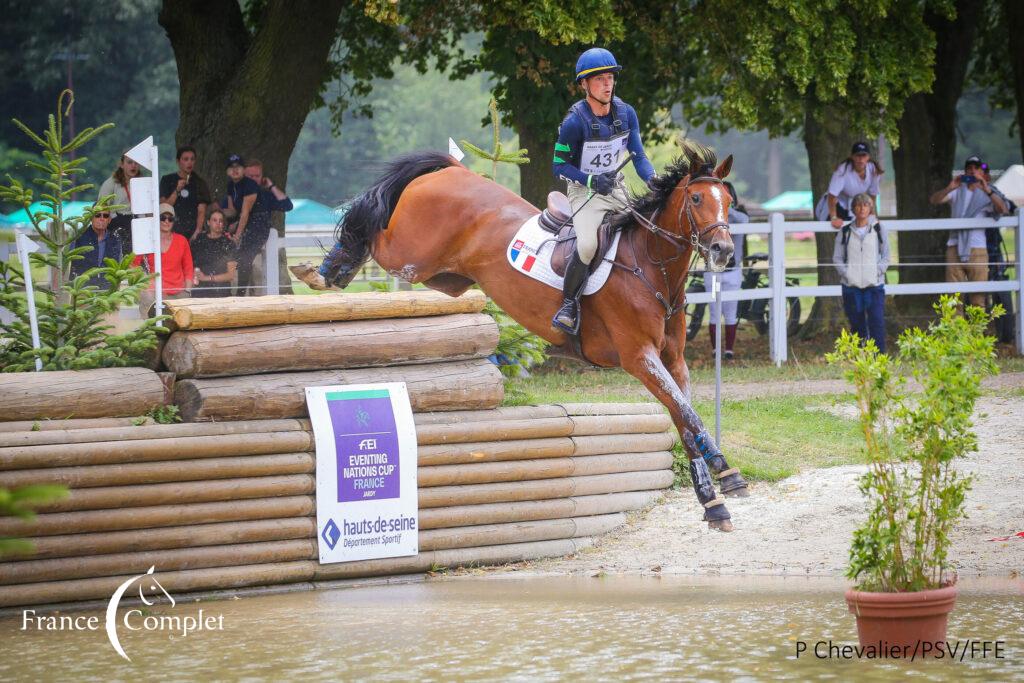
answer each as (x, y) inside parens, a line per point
(695, 435)
(646, 366)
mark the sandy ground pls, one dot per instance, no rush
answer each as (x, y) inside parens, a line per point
(803, 524)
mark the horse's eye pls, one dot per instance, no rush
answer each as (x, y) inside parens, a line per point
(695, 199)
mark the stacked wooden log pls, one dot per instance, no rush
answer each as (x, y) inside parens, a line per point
(82, 394)
(251, 358)
(230, 504)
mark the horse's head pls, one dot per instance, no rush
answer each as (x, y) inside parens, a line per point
(705, 210)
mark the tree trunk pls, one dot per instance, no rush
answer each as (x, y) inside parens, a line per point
(1013, 17)
(924, 158)
(247, 93)
(827, 140)
(535, 179)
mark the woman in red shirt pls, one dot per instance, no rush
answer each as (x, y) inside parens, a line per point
(176, 270)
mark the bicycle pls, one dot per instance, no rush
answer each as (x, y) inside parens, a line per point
(756, 310)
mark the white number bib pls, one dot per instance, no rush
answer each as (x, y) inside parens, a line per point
(603, 156)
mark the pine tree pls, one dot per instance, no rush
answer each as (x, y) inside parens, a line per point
(71, 313)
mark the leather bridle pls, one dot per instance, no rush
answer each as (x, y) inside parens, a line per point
(678, 241)
(674, 302)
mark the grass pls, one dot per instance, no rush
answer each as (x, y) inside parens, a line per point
(769, 438)
(775, 437)
(565, 382)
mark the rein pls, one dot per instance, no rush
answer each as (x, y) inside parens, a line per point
(673, 303)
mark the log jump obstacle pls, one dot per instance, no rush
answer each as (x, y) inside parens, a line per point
(226, 499)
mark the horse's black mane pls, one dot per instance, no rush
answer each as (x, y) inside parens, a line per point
(696, 160)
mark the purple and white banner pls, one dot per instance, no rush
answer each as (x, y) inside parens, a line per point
(366, 496)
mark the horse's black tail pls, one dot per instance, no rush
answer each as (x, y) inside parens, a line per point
(370, 212)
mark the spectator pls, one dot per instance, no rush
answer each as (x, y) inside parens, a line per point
(859, 173)
(187, 193)
(104, 244)
(213, 254)
(966, 250)
(861, 256)
(731, 279)
(1008, 207)
(238, 203)
(270, 198)
(175, 264)
(118, 185)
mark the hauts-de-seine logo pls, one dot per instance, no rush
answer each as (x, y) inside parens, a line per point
(151, 594)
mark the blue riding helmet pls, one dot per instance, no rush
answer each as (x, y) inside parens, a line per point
(595, 61)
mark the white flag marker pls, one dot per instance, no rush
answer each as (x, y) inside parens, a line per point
(146, 155)
(454, 150)
(25, 247)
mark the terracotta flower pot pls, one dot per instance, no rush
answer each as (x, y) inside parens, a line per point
(902, 619)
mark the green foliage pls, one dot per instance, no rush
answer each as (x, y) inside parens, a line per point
(17, 503)
(515, 342)
(774, 61)
(123, 70)
(531, 49)
(380, 285)
(915, 494)
(70, 312)
(165, 415)
(497, 155)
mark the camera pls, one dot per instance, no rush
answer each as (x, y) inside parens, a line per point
(968, 179)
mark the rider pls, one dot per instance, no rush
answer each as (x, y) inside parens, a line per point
(593, 141)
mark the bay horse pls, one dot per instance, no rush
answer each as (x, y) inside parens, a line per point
(431, 220)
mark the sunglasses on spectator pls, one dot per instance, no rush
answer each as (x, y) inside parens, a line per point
(167, 217)
(102, 215)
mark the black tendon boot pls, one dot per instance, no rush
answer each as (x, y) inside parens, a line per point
(344, 265)
(568, 316)
(715, 512)
(732, 482)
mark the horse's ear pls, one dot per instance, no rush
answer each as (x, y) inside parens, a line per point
(723, 168)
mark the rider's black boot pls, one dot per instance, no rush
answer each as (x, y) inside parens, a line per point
(568, 316)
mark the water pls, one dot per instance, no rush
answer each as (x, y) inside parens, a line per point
(537, 628)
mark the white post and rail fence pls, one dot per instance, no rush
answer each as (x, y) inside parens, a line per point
(778, 291)
(776, 228)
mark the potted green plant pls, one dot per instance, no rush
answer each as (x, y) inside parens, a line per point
(899, 557)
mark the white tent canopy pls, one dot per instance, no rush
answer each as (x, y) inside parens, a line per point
(1011, 183)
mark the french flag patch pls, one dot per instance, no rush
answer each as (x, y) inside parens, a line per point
(516, 248)
(528, 263)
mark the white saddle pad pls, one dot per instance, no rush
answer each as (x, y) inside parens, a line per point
(530, 250)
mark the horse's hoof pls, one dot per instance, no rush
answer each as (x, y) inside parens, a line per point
(741, 492)
(307, 273)
(720, 525)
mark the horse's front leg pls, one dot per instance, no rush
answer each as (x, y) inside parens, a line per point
(645, 364)
(695, 435)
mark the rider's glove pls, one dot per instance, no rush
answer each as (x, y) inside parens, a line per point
(603, 183)
(651, 181)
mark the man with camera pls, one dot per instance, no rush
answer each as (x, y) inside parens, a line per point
(971, 197)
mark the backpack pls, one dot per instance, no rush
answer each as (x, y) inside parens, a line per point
(845, 237)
